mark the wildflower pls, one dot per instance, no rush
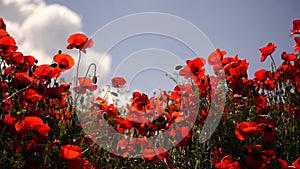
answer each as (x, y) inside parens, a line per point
(79, 41)
(296, 28)
(266, 51)
(118, 82)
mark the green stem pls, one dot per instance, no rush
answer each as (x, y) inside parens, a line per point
(76, 79)
(273, 62)
(18, 92)
(77, 69)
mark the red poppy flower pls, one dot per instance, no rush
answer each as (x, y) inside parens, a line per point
(85, 84)
(296, 163)
(33, 123)
(288, 56)
(3, 86)
(155, 154)
(111, 111)
(23, 62)
(245, 129)
(28, 63)
(144, 142)
(31, 96)
(140, 101)
(149, 155)
(284, 164)
(261, 102)
(217, 152)
(260, 74)
(64, 61)
(118, 82)
(268, 127)
(9, 120)
(2, 24)
(269, 85)
(122, 143)
(58, 92)
(7, 45)
(237, 68)
(15, 57)
(286, 69)
(236, 84)
(297, 45)
(79, 41)
(227, 163)
(22, 80)
(259, 158)
(124, 124)
(3, 33)
(266, 51)
(193, 68)
(46, 72)
(296, 27)
(215, 59)
(69, 152)
(298, 85)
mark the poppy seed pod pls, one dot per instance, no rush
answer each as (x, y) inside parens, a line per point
(94, 79)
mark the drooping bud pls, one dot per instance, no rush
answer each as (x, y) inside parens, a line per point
(94, 79)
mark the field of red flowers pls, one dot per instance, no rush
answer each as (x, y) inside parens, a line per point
(42, 124)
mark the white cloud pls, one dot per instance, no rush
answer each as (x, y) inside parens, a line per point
(42, 29)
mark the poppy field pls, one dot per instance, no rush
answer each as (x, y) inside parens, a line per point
(44, 120)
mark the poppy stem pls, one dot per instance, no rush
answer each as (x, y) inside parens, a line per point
(273, 62)
(3, 129)
(88, 148)
(77, 69)
(92, 64)
(18, 92)
(76, 80)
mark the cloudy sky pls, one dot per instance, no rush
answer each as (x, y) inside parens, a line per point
(41, 27)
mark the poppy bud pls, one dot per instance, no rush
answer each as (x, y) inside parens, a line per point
(30, 73)
(40, 88)
(81, 100)
(9, 77)
(47, 101)
(104, 116)
(94, 79)
(135, 131)
(178, 67)
(56, 84)
(114, 94)
(54, 65)
(33, 68)
(48, 82)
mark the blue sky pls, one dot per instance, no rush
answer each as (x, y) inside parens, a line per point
(239, 27)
